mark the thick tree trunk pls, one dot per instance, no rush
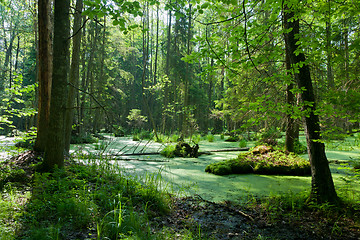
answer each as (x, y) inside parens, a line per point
(322, 186)
(44, 74)
(74, 73)
(55, 145)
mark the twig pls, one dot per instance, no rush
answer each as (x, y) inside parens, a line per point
(93, 97)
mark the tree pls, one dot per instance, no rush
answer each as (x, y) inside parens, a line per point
(74, 73)
(44, 75)
(55, 145)
(322, 186)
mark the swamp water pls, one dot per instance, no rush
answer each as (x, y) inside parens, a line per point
(187, 176)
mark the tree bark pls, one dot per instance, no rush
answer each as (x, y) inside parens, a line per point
(55, 145)
(329, 71)
(290, 132)
(322, 186)
(44, 74)
(74, 73)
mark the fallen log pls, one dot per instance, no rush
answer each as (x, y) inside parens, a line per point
(230, 150)
(205, 152)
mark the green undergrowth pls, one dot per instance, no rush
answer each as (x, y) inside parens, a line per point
(324, 219)
(95, 201)
(262, 162)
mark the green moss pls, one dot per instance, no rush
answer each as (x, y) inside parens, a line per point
(271, 163)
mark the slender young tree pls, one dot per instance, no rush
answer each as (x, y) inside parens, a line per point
(55, 145)
(74, 73)
(322, 185)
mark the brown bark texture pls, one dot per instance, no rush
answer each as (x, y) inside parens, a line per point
(74, 73)
(55, 145)
(322, 185)
(44, 74)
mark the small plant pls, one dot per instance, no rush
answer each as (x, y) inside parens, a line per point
(118, 131)
(196, 138)
(145, 134)
(242, 143)
(174, 138)
(100, 146)
(210, 137)
(136, 137)
(234, 138)
(83, 139)
(168, 151)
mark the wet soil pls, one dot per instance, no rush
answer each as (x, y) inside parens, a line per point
(227, 221)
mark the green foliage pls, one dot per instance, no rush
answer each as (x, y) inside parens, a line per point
(169, 151)
(197, 138)
(11, 204)
(210, 137)
(83, 139)
(174, 138)
(242, 143)
(118, 131)
(13, 104)
(82, 197)
(270, 133)
(299, 148)
(234, 138)
(100, 9)
(135, 118)
(275, 162)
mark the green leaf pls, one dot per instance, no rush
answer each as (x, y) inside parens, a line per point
(205, 5)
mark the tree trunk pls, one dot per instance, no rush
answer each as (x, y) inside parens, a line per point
(74, 73)
(8, 59)
(156, 45)
(329, 71)
(44, 74)
(290, 100)
(186, 110)
(55, 145)
(322, 186)
(167, 73)
(101, 82)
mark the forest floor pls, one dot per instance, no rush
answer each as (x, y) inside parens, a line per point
(211, 220)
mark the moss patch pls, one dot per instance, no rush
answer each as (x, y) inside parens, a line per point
(262, 160)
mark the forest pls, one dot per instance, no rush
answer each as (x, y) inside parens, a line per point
(197, 119)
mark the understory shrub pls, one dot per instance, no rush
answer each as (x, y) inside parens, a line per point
(210, 137)
(168, 151)
(91, 199)
(261, 161)
(82, 139)
(181, 149)
(299, 148)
